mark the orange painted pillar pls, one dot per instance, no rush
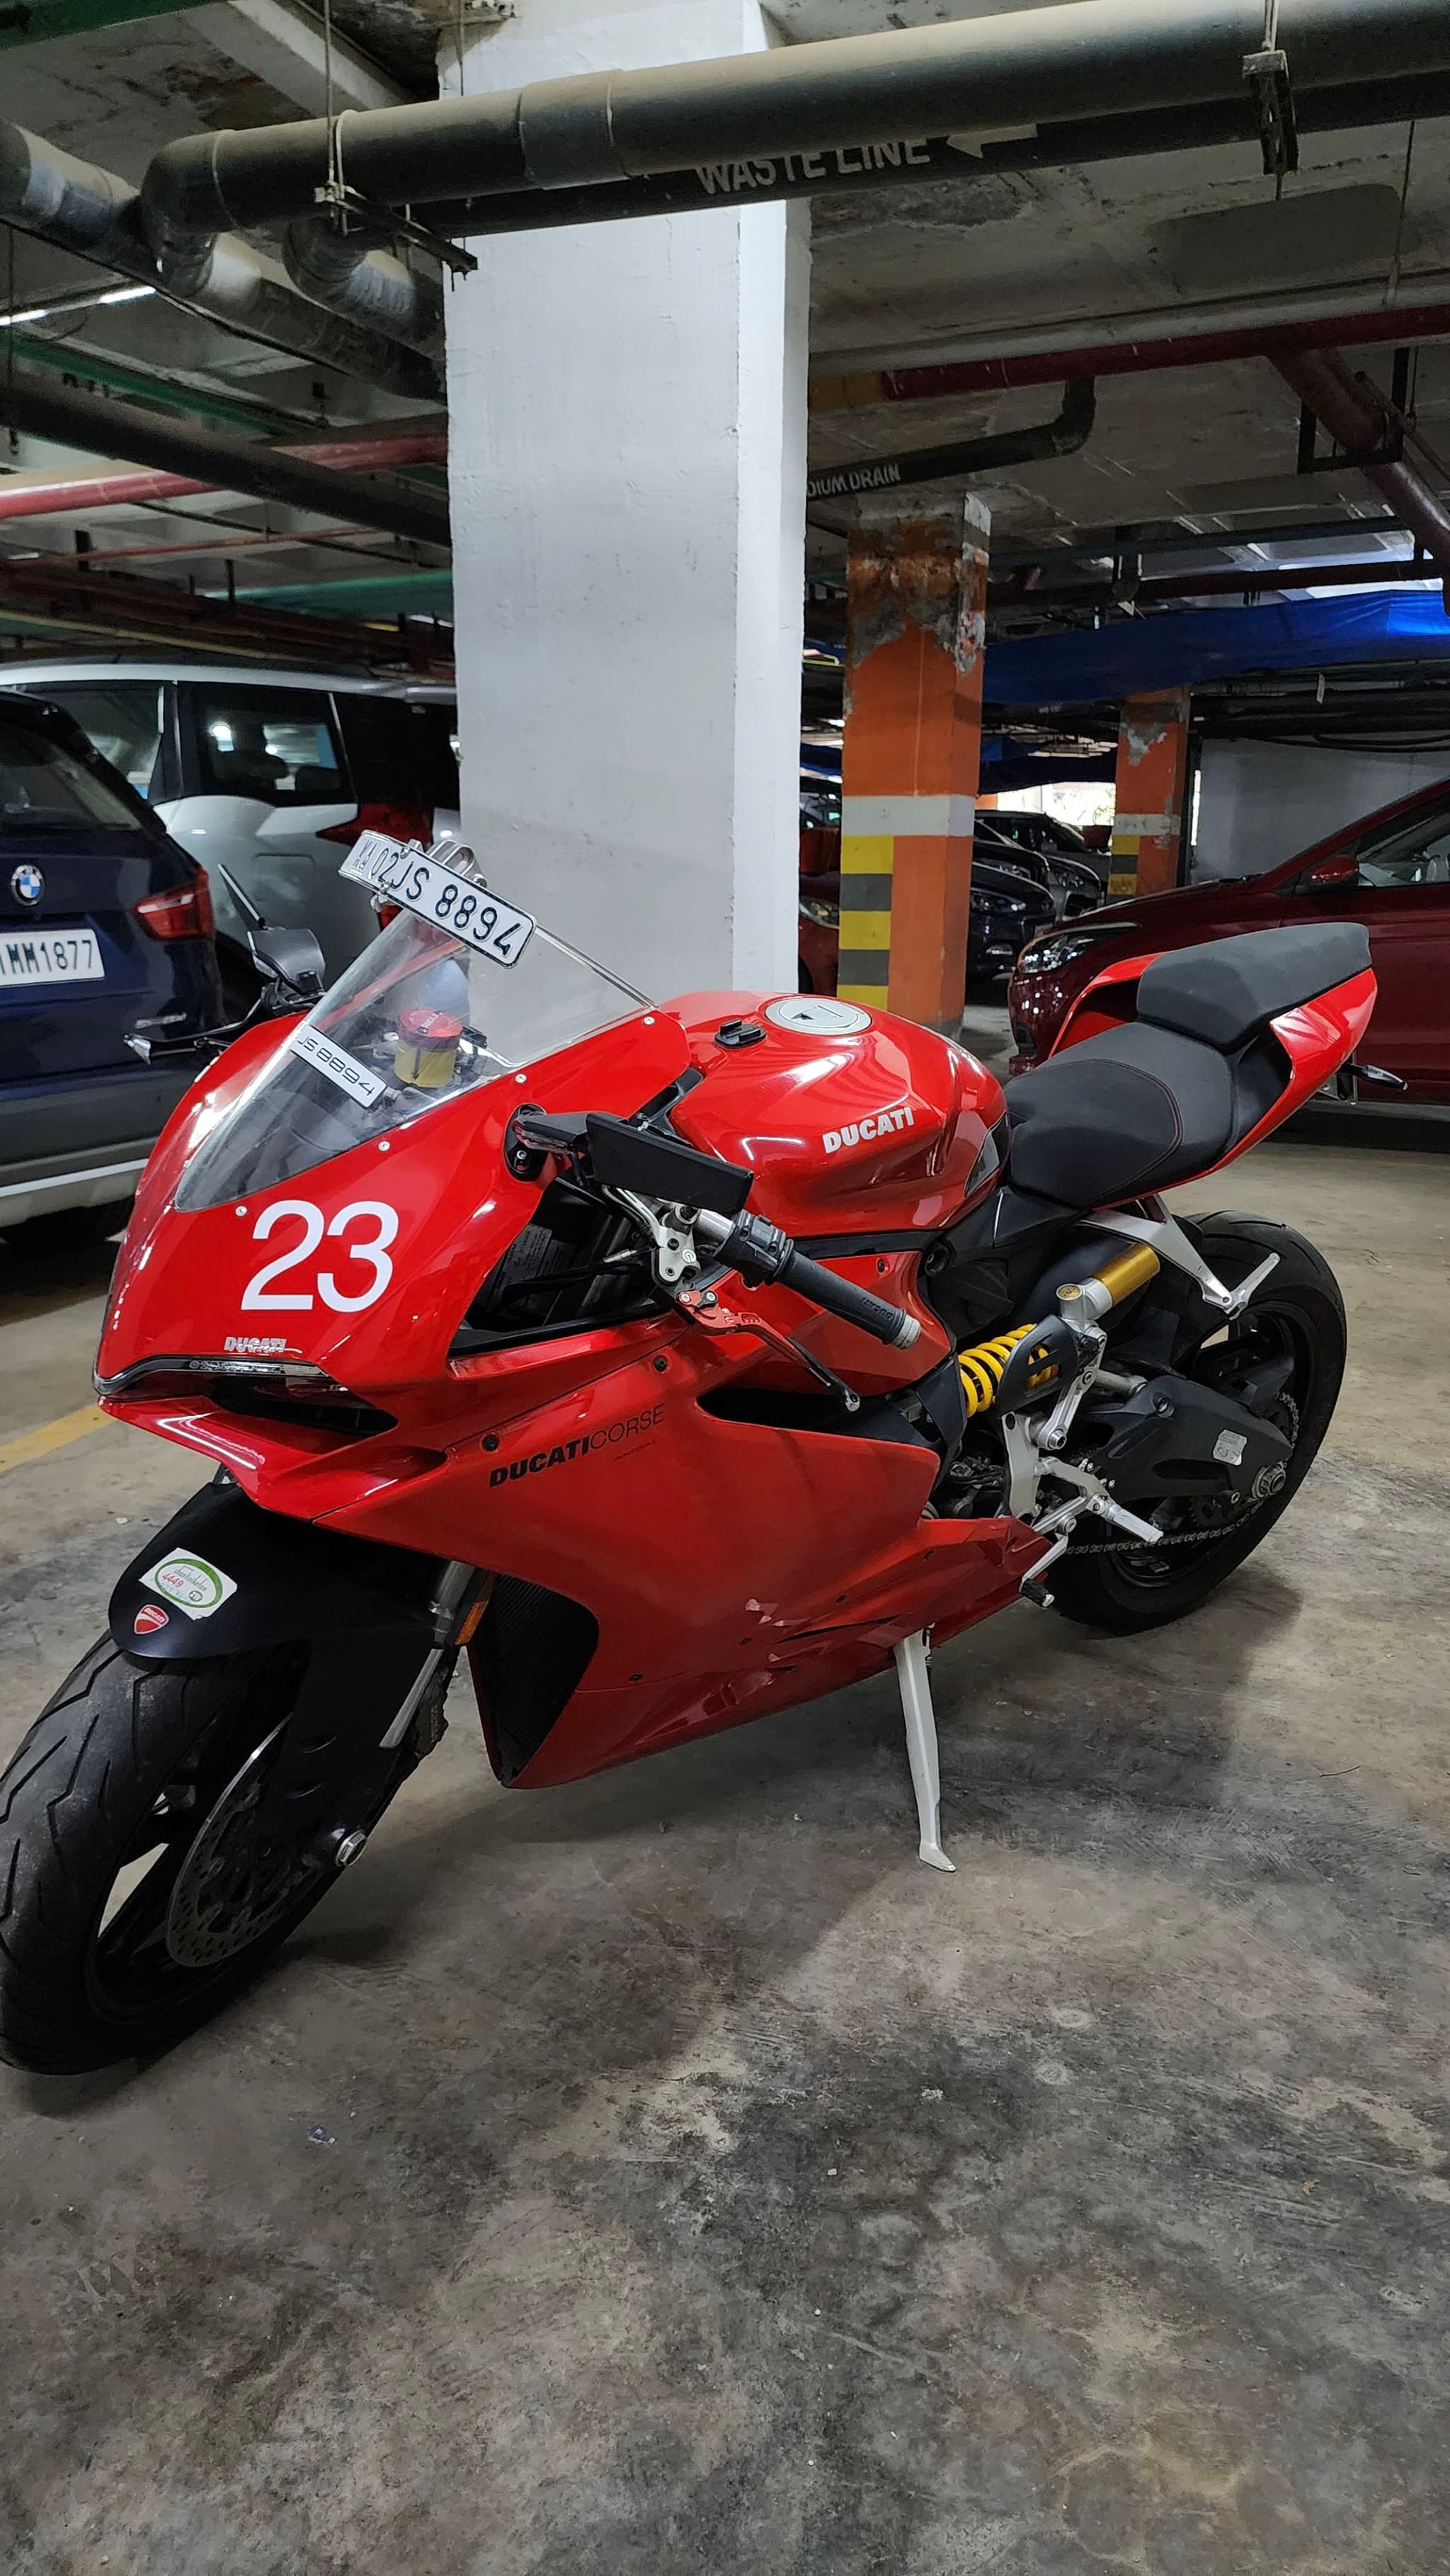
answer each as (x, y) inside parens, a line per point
(1152, 771)
(916, 603)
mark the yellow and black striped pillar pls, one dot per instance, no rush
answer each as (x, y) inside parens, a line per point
(916, 624)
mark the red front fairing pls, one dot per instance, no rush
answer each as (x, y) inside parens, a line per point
(732, 1566)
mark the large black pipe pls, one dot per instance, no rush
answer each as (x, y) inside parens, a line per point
(1060, 437)
(863, 169)
(1072, 63)
(105, 428)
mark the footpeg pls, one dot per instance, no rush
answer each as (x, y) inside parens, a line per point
(921, 1746)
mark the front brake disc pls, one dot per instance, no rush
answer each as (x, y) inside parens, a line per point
(233, 1885)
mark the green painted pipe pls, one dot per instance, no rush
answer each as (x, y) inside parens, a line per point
(121, 379)
(34, 22)
(361, 594)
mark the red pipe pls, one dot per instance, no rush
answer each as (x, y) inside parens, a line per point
(1359, 419)
(89, 492)
(1400, 325)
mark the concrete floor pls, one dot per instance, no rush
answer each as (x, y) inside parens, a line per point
(668, 2173)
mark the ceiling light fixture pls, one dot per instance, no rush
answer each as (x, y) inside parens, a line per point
(85, 302)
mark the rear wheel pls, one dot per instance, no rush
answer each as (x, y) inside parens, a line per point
(1298, 1317)
(137, 1886)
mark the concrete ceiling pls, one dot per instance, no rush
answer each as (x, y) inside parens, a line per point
(896, 276)
(902, 277)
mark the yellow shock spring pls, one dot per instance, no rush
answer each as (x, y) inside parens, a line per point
(982, 1367)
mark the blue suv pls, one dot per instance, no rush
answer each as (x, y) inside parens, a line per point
(105, 934)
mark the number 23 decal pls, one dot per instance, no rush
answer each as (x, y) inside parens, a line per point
(369, 1248)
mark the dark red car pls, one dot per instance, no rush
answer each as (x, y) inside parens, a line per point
(1390, 870)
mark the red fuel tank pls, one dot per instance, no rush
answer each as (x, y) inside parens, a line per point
(853, 1119)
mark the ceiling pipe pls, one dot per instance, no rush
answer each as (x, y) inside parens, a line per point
(81, 208)
(1035, 67)
(1360, 418)
(70, 598)
(1144, 343)
(1061, 436)
(1247, 580)
(356, 275)
(204, 459)
(864, 170)
(84, 494)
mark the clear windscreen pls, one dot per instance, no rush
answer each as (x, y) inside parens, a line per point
(419, 1017)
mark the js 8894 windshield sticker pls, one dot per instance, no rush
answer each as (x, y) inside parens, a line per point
(405, 874)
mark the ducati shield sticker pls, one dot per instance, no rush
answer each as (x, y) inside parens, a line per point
(194, 1586)
(149, 1618)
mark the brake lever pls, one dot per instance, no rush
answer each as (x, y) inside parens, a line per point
(704, 1307)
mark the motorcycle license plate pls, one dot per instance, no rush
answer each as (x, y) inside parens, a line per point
(406, 875)
(50, 957)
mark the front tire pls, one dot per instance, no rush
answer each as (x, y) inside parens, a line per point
(104, 1809)
(1127, 1590)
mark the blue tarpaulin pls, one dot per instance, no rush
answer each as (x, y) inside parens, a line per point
(1138, 653)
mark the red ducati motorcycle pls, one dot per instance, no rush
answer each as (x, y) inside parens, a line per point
(674, 1362)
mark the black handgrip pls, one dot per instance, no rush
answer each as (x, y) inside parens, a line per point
(854, 1305)
(760, 1251)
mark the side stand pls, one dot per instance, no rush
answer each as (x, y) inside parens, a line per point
(916, 1708)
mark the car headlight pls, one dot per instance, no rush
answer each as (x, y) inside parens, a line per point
(1058, 948)
(814, 907)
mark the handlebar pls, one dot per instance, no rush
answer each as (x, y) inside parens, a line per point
(761, 1253)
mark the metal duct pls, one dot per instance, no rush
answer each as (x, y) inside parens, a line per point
(1361, 419)
(81, 208)
(1083, 60)
(1060, 437)
(106, 428)
(356, 275)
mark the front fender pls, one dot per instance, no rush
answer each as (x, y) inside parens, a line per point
(225, 1577)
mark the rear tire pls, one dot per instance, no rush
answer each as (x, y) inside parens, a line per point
(1118, 1591)
(123, 1768)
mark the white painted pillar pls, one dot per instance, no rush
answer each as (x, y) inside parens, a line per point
(627, 471)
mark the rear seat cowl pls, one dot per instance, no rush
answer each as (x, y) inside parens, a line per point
(1226, 989)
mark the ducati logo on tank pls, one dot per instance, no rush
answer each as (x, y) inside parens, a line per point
(869, 1131)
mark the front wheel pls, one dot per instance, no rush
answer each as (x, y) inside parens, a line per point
(137, 1888)
(1296, 1317)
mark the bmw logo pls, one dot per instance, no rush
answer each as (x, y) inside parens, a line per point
(26, 883)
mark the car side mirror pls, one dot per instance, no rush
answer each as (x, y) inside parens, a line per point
(1330, 876)
(290, 957)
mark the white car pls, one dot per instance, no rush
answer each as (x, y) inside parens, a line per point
(270, 776)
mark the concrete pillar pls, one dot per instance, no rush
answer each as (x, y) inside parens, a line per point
(1152, 769)
(916, 620)
(627, 476)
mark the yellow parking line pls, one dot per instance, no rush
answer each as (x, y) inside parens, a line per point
(29, 1445)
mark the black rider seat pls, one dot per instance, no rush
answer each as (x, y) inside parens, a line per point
(1164, 1097)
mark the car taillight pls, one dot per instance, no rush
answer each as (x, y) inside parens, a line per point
(396, 822)
(182, 912)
